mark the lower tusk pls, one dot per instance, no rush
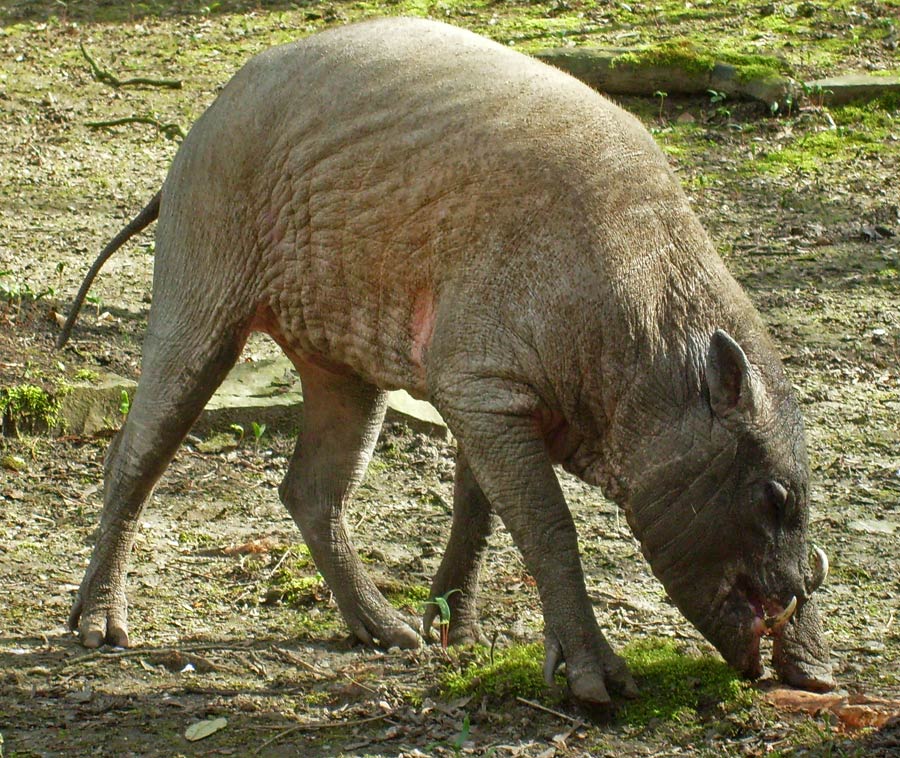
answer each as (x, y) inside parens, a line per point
(820, 569)
(775, 623)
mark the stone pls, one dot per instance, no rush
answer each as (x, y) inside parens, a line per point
(262, 392)
(95, 407)
(839, 90)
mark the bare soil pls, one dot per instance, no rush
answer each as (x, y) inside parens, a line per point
(226, 612)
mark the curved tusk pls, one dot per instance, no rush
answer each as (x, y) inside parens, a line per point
(820, 569)
(774, 623)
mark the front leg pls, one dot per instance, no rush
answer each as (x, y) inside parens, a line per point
(509, 460)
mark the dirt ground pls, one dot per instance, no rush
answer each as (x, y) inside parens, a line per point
(227, 613)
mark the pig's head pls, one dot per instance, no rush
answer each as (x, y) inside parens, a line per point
(718, 497)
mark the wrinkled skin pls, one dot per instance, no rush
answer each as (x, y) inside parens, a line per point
(403, 204)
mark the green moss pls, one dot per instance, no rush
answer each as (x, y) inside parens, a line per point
(860, 130)
(879, 114)
(28, 407)
(401, 595)
(297, 591)
(296, 582)
(677, 53)
(195, 539)
(513, 671)
(849, 573)
(674, 686)
(696, 58)
(86, 375)
(677, 687)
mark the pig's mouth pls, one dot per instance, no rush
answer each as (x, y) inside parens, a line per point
(798, 655)
(767, 617)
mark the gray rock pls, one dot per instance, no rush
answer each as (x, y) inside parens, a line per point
(263, 392)
(90, 408)
(839, 90)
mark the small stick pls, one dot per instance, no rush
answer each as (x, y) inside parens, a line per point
(98, 655)
(113, 81)
(294, 658)
(545, 709)
(320, 725)
(170, 130)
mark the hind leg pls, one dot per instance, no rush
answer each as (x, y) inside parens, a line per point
(457, 577)
(176, 381)
(341, 419)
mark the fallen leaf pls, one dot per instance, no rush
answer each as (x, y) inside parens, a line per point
(851, 711)
(253, 547)
(202, 729)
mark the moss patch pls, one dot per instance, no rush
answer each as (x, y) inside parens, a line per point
(28, 408)
(513, 671)
(674, 687)
(693, 57)
(680, 53)
(405, 596)
(678, 687)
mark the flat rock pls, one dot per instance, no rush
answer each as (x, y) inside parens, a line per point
(262, 392)
(839, 90)
(269, 392)
(612, 70)
(95, 407)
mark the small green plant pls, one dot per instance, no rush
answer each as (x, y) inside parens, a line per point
(96, 302)
(463, 735)
(237, 430)
(86, 375)
(662, 101)
(17, 292)
(443, 606)
(816, 93)
(258, 431)
(718, 98)
(124, 403)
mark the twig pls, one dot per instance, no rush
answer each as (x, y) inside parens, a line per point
(99, 655)
(113, 81)
(321, 725)
(169, 130)
(287, 655)
(545, 709)
(278, 564)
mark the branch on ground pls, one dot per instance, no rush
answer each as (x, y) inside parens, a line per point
(172, 131)
(113, 81)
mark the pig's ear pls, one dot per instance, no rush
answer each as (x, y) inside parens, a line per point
(734, 390)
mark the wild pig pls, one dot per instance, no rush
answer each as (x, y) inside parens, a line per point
(404, 204)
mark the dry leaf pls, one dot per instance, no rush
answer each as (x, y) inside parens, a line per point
(202, 729)
(851, 711)
(254, 547)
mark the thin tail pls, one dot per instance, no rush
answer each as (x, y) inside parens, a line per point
(146, 217)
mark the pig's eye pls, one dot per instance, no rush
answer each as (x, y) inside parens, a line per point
(775, 499)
